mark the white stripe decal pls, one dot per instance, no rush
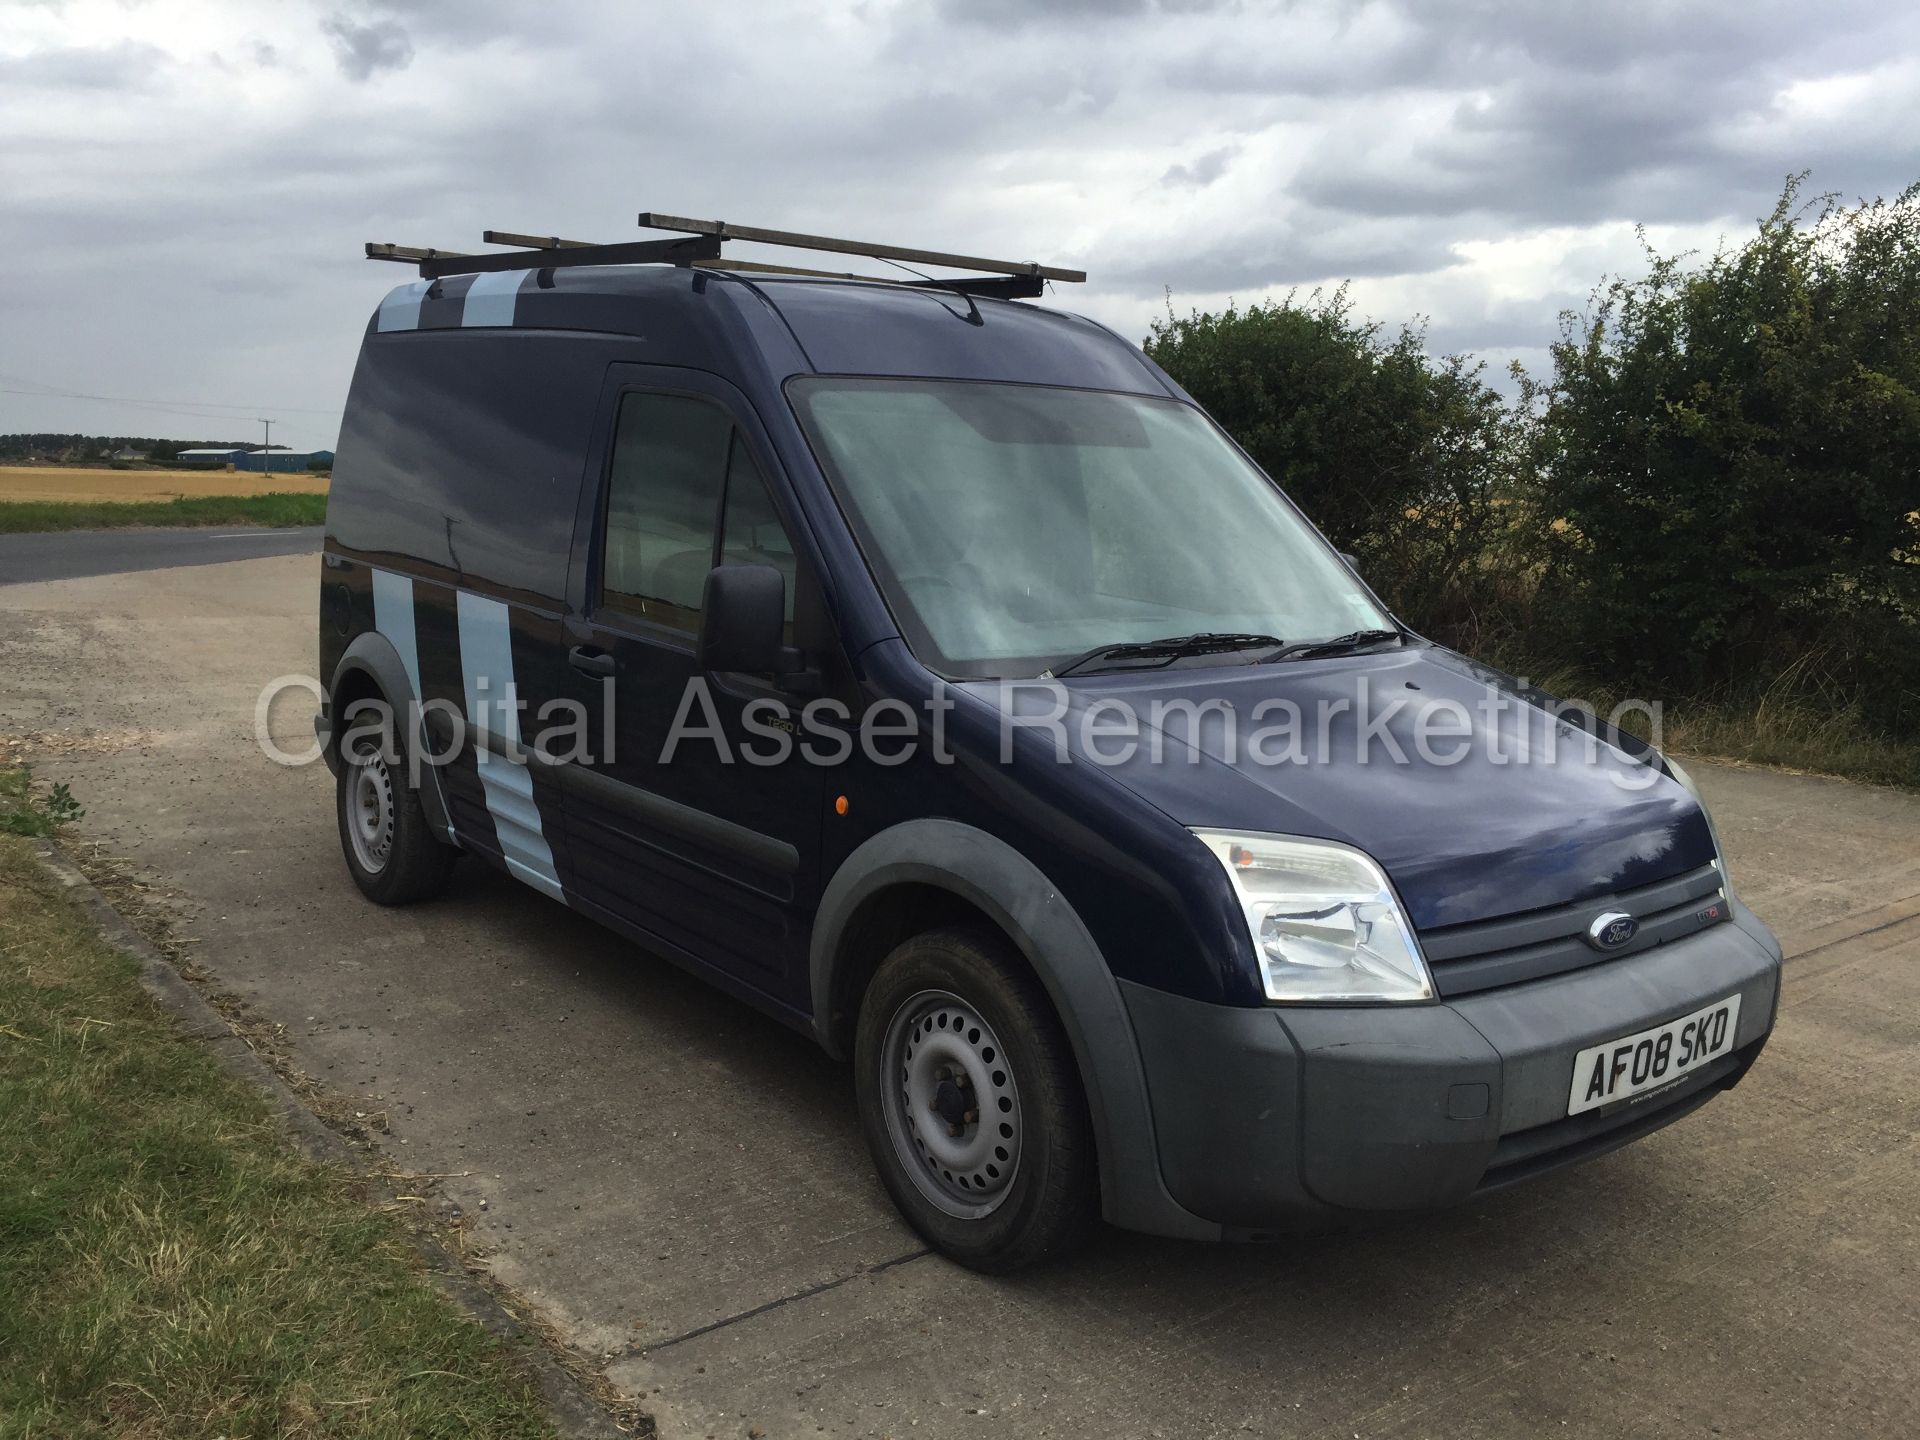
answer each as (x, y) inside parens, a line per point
(491, 297)
(393, 618)
(401, 309)
(486, 665)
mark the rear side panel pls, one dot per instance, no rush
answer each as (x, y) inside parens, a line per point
(461, 456)
(449, 530)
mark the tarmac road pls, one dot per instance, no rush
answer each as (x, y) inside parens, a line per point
(64, 554)
(681, 1185)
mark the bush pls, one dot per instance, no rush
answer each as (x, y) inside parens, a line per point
(26, 810)
(1734, 450)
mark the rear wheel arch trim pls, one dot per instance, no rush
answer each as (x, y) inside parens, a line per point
(373, 655)
(1016, 895)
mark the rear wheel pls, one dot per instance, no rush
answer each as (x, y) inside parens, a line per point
(391, 850)
(972, 1104)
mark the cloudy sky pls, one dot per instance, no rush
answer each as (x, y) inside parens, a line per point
(185, 187)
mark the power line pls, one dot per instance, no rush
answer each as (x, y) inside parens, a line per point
(175, 407)
(154, 410)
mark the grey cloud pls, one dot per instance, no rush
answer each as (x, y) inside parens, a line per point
(1203, 171)
(363, 50)
(1570, 116)
(125, 66)
(1288, 254)
(1024, 12)
(1259, 145)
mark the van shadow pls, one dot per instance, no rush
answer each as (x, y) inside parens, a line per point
(636, 1016)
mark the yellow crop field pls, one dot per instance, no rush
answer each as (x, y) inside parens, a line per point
(65, 482)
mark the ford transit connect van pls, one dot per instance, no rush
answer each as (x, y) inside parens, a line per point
(926, 670)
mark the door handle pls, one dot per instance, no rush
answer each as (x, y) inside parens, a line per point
(590, 661)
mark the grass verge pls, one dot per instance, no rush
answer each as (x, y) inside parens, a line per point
(20, 516)
(172, 1266)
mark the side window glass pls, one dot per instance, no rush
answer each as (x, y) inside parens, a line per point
(751, 533)
(663, 498)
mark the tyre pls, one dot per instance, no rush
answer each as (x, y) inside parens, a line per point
(972, 1105)
(391, 850)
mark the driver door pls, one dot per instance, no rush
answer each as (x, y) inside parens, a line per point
(676, 835)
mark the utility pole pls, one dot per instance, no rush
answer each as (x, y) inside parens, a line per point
(266, 457)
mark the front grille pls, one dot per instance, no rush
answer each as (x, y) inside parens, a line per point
(1518, 948)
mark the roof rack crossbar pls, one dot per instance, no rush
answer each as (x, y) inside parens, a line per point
(999, 287)
(634, 252)
(1004, 287)
(763, 267)
(722, 230)
(407, 254)
(534, 242)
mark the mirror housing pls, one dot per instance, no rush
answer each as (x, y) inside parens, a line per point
(744, 610)
(1353, 561)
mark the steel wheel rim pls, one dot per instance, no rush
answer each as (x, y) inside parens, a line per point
(951, 1104)
(370, 811)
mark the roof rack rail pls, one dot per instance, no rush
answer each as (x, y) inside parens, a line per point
(698, 243)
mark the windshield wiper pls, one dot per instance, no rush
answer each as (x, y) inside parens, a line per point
(1173, 647)
(1339, 644)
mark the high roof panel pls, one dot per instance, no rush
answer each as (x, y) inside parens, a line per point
(778, 326)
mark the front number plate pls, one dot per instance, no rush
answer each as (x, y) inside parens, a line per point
(1635, 1064)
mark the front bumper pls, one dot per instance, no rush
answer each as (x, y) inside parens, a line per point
(1273, 1119)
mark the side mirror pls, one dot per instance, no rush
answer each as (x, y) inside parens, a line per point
(744, 611)
(1353, 561)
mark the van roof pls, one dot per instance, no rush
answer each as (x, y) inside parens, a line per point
(782, 325)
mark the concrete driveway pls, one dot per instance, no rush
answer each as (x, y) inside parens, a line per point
(680, 1184)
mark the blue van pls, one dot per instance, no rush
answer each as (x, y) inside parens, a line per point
(927, 670)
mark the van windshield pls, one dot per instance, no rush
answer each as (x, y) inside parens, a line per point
(1014, 526)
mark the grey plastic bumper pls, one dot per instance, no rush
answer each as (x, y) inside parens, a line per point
(1270, 1120)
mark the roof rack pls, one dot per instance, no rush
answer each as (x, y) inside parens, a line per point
(697, 243)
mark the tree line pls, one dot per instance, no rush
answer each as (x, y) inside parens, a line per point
(1714, 495)
(48, 445)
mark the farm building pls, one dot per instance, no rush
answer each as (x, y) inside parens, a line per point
(282, 461)
(210, 458)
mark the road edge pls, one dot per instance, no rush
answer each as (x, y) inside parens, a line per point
(576, 1413)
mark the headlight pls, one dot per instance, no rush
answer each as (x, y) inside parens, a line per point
(1324, 921)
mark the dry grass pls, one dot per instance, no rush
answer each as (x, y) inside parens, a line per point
(72, 482)
(1791, 724)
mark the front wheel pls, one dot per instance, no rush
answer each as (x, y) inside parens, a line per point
(972, 1105)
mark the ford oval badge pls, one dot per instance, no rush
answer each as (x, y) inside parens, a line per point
(1612, 930)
